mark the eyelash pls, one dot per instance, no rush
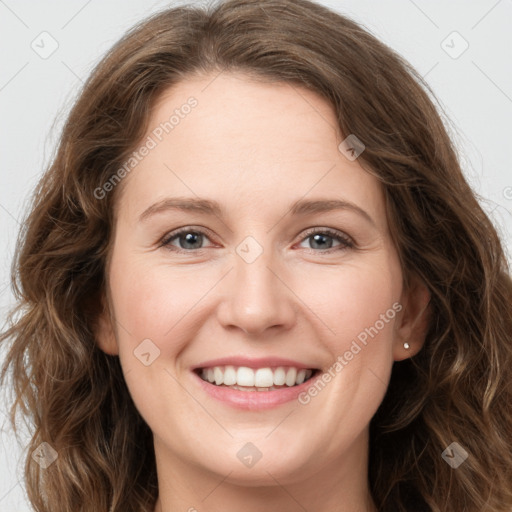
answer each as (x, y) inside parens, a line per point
(346, 242)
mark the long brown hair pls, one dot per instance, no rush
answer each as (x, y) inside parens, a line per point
(458, 388)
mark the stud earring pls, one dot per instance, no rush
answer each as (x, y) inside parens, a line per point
(406, 346)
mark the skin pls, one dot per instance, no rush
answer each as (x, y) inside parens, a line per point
(256, 148)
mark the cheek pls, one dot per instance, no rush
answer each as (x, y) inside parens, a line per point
(151, 298)
(152, 308)
(359, 306)
(153, 302)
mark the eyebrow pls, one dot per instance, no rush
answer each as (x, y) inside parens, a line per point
(208, 207)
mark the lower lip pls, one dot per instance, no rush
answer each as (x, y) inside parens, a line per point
(254, 400)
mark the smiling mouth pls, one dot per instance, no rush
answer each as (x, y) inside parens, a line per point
(243, 378)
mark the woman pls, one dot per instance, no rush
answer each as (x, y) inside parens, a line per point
(337, 336)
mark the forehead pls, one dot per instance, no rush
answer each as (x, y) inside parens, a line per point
(247, 143)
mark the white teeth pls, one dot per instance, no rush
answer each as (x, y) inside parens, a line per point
(261, 379)
(301, 376)
(279, 376)
(229, 375)
(245, 376)
(291, 376)
(219, 375)
(243, 388)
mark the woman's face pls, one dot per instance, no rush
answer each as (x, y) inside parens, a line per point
(285, 263)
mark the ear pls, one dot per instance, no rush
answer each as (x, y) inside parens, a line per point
(413, 320)
(104, 329)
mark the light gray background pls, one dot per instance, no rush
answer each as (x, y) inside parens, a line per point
(475, 90)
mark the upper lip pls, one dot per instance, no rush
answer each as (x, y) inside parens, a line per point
(260, 362)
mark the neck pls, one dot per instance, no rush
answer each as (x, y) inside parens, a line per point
(340, 485)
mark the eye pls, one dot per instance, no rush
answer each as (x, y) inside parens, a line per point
(322, 238)
(187, 240)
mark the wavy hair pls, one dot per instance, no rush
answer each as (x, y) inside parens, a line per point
(458, 388)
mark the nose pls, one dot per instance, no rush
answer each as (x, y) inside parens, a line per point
(256, 298)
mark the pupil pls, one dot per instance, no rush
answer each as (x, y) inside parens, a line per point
(318, 239)
(191, 238)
